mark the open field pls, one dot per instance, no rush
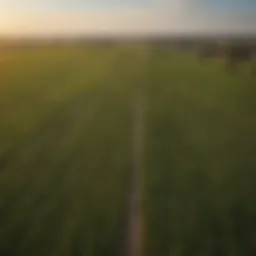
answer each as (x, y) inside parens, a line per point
(200, 166)
(67, 150)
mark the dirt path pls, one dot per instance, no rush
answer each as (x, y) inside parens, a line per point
(135, 228)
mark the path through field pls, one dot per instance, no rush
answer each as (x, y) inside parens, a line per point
(136, 217)
(135, 220)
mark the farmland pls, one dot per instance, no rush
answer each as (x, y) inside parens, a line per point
(66, 152)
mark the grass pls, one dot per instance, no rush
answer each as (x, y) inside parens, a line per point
(200, 159)
(65, 152)
(64, 187)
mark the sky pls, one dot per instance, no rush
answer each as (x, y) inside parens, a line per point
(111, 17)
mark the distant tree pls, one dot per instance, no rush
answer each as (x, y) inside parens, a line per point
(235, 54)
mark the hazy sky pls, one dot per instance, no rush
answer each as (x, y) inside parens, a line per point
(72, 17)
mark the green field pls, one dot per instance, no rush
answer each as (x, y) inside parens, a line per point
(66, 137)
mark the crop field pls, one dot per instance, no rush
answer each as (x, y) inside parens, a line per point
(69, 150)
(200, 165)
